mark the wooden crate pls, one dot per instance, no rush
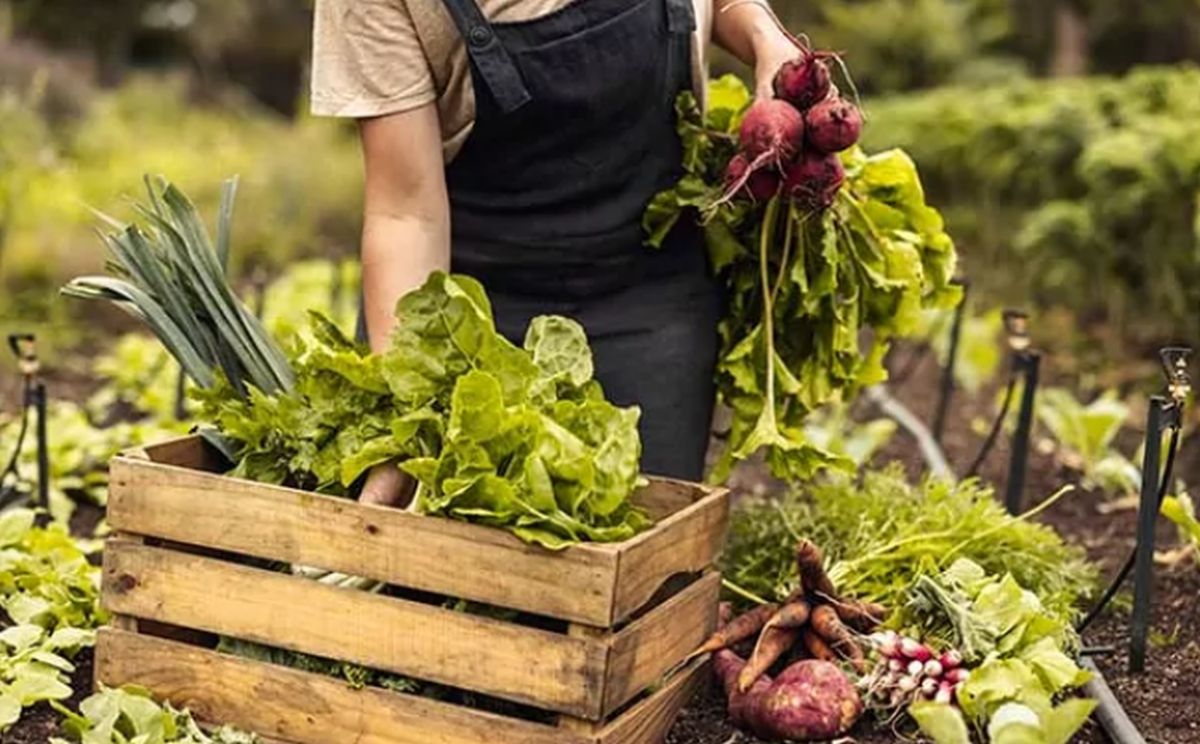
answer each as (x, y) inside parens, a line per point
(599, 629)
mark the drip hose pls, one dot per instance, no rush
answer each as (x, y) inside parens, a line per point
(994, 434)
(1163, 488)
(12, 467)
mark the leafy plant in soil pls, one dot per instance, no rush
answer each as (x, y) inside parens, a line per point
(130, 716)
(820, 273)
(881, 533)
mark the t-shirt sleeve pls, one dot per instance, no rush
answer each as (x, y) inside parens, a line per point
(368, 60)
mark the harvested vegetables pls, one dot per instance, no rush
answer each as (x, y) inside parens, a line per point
(815, 294)
(881, 533)
(517, 438)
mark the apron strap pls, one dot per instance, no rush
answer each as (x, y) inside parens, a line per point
(681, 16)
(495, 65)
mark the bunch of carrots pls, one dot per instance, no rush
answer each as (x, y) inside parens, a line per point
(825, 625)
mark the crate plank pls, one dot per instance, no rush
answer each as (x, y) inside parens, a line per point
(649, 721)
(396, 547)
(296, 707)
(648, 648)
(688, 541)
(547, 670)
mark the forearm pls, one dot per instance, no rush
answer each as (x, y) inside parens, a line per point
(745, 28)
(398, 255)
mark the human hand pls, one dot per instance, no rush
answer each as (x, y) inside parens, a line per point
(771, 51)
(387, 485)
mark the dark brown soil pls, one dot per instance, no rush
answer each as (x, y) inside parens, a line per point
(41, 722)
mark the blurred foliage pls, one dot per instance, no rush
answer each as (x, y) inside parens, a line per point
(1085, 191)
(300, 182)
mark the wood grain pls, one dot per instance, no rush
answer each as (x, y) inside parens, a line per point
(649, 721)
(294, 707)
(651, 646)
(688, 541)
(430, 554)
(547, 670)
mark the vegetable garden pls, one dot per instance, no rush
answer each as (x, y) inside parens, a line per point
(929, 516)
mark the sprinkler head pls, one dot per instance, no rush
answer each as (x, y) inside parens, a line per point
(24, 347)
(1175, 368)
(1016, 325)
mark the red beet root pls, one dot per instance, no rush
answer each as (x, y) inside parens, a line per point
(743, 707)
(760, 185)
(772, 131)
(833, 125)
(804, 81)
(814, 180)
(809, 701)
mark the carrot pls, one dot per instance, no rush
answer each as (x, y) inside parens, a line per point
(772, 644)
(862, 616)
(791, 615)
(738, 629)
(813, 578)
(817, 647)
(826, 624)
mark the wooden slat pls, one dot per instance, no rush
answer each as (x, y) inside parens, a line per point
(186, 452)
(663, 497)
(298, 707)
(688, 541)
(652, 645)
(527, 665)
(649, 721)
(437, 555)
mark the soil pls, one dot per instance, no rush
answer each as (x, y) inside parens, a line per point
(41, 722)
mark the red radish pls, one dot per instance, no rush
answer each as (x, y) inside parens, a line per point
(956, 676)
(804, 81)
(907, 684)
(773, 130)
(915, 668)
(895, 665)
(760, 185)
(929, 686)
(833, 125)
(945, 694)
(951, 659)
(814, 181)
(933, 668)
(915, 650)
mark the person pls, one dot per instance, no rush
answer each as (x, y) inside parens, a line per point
(519, 142)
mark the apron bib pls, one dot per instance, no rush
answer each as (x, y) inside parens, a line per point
(575, 132)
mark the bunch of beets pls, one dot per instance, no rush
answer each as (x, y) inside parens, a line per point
(790, 143)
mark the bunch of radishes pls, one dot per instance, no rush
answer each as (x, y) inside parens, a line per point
(908, 670)
(791, 143)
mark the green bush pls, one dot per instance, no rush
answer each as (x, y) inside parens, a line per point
(1077, 193)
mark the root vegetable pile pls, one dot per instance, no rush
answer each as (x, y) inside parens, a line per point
(826, 253)
(908, 671)
(812, 699)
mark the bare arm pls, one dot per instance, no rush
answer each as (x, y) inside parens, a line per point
(406, 222)
(749, 30)
(406, 236)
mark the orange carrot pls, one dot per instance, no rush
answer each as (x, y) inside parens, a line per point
(792, 615)
(813, 578)
(828, 626)
(738, 629)
(772, 644)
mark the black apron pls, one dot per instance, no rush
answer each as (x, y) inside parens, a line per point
(574, 133)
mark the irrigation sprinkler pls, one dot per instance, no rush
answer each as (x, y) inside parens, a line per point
(24, 348)
(1164, 415)
(947, 385)
(1027, 364)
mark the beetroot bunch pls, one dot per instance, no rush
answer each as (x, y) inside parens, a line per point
(791, 143)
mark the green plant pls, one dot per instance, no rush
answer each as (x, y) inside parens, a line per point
(1181, 510)
(814, 297)
(129, 716)
(1085, 435)
(832, 429)
(979, 351)
(881, 533)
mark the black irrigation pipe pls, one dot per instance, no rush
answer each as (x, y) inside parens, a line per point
(1109, 713)
(997, 427)
(1018, 463)
(946, 388)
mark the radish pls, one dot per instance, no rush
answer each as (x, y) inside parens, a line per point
(814, 182)
(833, 125)
(915, 650)
(955, 676)
(804, 81)
(759, 185)
(929, 686)
(915, 668)
(895, 665)
(772, 130)
(907, 684)
(933, 668)
(951, 659)
(810, 700)
(945, 694)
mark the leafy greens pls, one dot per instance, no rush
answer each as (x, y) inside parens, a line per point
(802, 287)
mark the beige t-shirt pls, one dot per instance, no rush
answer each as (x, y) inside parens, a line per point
(376, 57)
